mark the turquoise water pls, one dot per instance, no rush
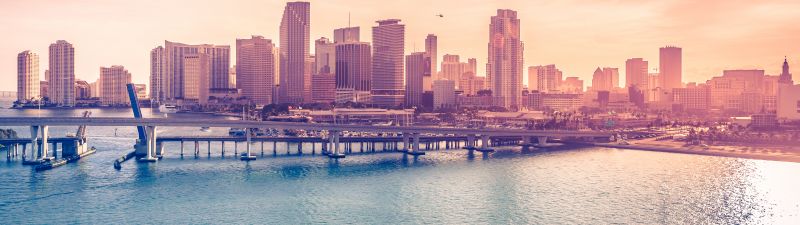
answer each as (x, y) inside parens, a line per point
(578, 186)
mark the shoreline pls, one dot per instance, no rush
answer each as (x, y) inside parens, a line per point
(746, 152)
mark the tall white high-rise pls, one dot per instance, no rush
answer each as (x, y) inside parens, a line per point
(388, 45)
(416, 66)
(113, 83)
(27, 76)
(158, 71)
(255, 69)
(504, 66)
(61, 81)
(295, 78)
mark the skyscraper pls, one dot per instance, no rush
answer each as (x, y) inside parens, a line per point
(113, 85)
(255, 68)
(27, 76)
(451, 68)
(61, 86)
(605, 79)
(324, 56)
(388, 44)
(504, 66)
(785, 77)
(544, 78)
(196, 77)
(294, 47)
(167, 68)
(353, 70)
(670, 67)
(158, 71)
(636, 73)
(431, 70)
(346, 34)
(416, 66)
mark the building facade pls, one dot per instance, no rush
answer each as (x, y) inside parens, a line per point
(113, 84)
(158, 71)
(168, 75)
(692, 98)
(505, 60)
(636, 73)
(416, 66)
(353, 72)
(431, 71)
(444, 94)
(294, 49)
(605, 79)
(346, 35)
(61, 78)
(196, 78)
(388, 46)
(544, 78)
(255, 69)
(788, 102)
(27, 76)
(670, 67)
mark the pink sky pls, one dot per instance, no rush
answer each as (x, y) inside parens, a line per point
(577, 36)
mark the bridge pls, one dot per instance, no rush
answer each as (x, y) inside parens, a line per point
(410, 136)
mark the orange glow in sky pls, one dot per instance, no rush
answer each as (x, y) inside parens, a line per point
(577, 36)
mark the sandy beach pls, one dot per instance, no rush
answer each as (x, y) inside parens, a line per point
(763, 152)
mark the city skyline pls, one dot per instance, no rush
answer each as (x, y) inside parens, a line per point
(461, 32)
(452, 35)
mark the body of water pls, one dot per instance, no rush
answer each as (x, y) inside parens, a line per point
(578, 186)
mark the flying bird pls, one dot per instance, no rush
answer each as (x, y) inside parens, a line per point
(440, 15)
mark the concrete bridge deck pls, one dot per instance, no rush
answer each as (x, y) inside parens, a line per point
(174, 122)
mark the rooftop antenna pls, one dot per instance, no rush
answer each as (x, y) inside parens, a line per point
(348, 19)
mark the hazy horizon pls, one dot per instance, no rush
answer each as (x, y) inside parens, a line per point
(577, 36)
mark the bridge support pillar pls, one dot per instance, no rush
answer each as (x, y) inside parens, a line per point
(415, 146)
(39, 146)
(542, 141)
(470, 143)
(485, 144)
(247, 156)
(150, 131)
(335, 146)
(406, 142)
(196, 149)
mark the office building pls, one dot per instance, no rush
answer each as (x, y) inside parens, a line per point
(27, 76)
(505, 60)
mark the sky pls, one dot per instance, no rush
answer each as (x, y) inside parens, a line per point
(578, 36)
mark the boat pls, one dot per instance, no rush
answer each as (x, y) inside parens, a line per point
(167, 108)
(205, 129)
